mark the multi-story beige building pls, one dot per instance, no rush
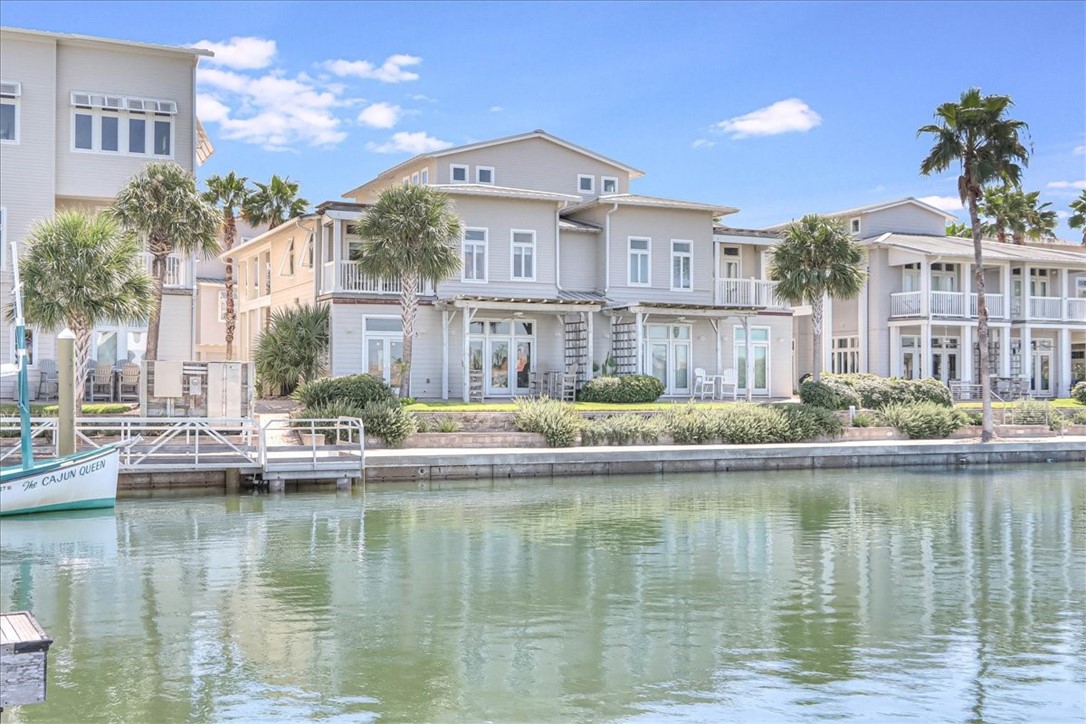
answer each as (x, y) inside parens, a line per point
(78, 116)
(917, 315)
(562, 266)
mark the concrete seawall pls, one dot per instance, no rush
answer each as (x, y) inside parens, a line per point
(447, 464)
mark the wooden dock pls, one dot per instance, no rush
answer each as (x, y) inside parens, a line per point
(24, 646)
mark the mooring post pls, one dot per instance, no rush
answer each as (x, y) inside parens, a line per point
(66, 392)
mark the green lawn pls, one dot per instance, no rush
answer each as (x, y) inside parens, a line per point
(8, 409)
(451, 406)
(1060, 402)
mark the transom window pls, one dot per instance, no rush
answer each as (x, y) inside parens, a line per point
(458, 174)
(523, 255)
(682, 265)
(608, 185)
(122, 125)
(639, 261)
(586, 184)
(475, 255)
(9, 111)
(846, 355)
(484, 174)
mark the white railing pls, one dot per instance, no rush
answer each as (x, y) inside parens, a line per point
(994, 303)
(328, 277)
(1045, 307)
(905, 304)
(352, 280)
(331, 445)
(176, 270)
(948, 304)
(1076, 310)
(748, 293)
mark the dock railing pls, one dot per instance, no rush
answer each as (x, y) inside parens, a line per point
(330, 445)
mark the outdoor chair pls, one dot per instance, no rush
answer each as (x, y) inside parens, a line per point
(703, 383)
(102, 381)
(569, 383)
(128, 389)
(48, 379)
(730, 378)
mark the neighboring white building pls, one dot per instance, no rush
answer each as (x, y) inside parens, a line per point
(917, 315)
(78, 116)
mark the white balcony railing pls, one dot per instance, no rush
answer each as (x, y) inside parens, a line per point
(906, 304)
(949, 304)
(994, 302)
(176, 270)
(1076, 310)
(352, 280)
(1045, 307)
(945, 304)
(744, 293)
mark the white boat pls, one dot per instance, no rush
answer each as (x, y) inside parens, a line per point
(70, 482)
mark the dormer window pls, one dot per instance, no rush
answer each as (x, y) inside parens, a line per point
(854, 225)
(586, 184)
(458, 174)
(608, 185)
(484, 174)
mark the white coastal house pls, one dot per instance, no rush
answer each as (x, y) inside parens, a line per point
(80, 115)
(917, 315)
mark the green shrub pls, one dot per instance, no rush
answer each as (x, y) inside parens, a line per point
(293, 349)
(975, 419)
(804, 422)
(1078, 417)
(866, 419)
(819, 394)
(423, 424)
(874, 393)
(690, 423)
(1078, 393)
(624, 389)
(924, 420)
(621, 430)
(748, 424)
(405, 401)
(388, 420)
(354, 389)
(330, 410)
(557, 421)
(448, 426)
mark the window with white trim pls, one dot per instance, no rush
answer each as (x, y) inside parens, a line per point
(458, 173)
(424, 176)
(854, 225)
(608, 185)
(122, 125)
(639, 248)
(415, 178)
(9, 111)
(484, 174)
(286, 265)
(222, 305)
(586, 184)
(523, 255)
(3, 238)
(682, 265)
(475, 255)
(846, 355)
(732, 262)
(305, 259)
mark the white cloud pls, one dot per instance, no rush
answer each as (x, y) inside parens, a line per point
(380, 115)
(404, 142)
(209, 109)
(391, 71)
(879, 189)
(421, 97)
(944, 203)
(1063, 214)
(243, 53)
(1067, 184)
(1079, 150)
(788, 116)
(702, 143)
(496, 109)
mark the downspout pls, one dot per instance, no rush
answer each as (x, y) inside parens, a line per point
(192, 312)
(557, 249)
(607, 250)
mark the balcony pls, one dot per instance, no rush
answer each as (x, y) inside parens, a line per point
(176, 271)
(350, 280)
(1045, 308)
(748, 293)
(955, 305)
(1076, 310)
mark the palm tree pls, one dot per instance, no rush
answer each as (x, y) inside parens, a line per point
(1077, 220)
(1000, 205)
(161, 204)
(294, 349)
(274, 202)
(817, 257)
(228, 193)
(1018, 213)
(976, 134)
(956, 229)
(80, 271)
(412, 233)
(1037, 223)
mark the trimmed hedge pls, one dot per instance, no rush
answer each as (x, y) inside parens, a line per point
(1078, 393)
(624, 389)
(353, 389)
(925, 420)
(871, 392)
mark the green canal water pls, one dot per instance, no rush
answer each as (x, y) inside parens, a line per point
(858, 595)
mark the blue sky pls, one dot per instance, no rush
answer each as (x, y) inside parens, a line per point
(776, 108)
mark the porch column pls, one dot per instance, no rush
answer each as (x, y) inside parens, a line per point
(895, 351)
(639, 334)
(1026, 292)
(1063, 297)
(1005, 282)
(1065, 363)
(966, 373)
(445, 318)
(588, 349)
(318, 260)
(1005, 347)
(827, 334)
(862, 329)
(925, 288)
(715, 324)
(1027, 355)
(750, 357)
(925, 349)
(337, 253)
(465, 357)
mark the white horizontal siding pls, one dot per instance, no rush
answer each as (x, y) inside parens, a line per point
(904, 219)
(580, 254)
(175, 327)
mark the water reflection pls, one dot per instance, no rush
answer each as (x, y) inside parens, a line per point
(863, 595)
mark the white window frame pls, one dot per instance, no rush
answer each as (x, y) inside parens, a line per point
(647, 252)
(845, 358)
(478, 173)
(726, 259)
(452, 173)
(222, 306)
(854, 225)
(485, 243)
(305, 259)
(32, 348)
(415, 178)
(680, 254)
(591, 184)
(424, 177)
(3, 237)
(288, 260)
(406, 180)
(513, 246)
(123, 116)
(11, 98)
(603, 184)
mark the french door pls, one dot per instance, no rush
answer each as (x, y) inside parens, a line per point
(668, 356)
(384, 348)
(1041, 381)
(759, 349)
(504, 352)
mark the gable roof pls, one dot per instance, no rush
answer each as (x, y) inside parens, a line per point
(958, 247)
(871, 208)
(538, 133)
(502, 192)
(650, 201)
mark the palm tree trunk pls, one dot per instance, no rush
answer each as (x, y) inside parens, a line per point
(816, 330)
(987, 424)
(1019, 237)
(158, 277)
(229, 234)
(82, 333)
(409, 307)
